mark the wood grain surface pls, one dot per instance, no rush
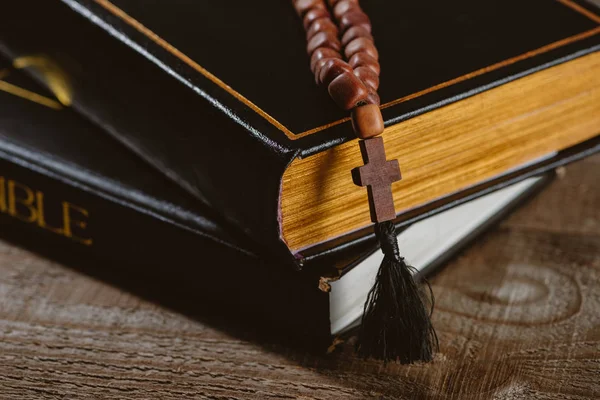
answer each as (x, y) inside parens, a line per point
(518, 315)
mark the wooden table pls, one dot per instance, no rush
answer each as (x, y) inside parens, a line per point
(518, 315)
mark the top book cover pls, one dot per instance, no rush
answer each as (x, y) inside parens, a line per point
(219, 96)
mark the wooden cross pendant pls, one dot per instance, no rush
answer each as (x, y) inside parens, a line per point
(377, 175)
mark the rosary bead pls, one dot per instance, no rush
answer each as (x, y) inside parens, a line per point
(355, 32)
(323, 39)
(362, 59)
(331, 69)
(313, 15)
(318, 65)
(367, 121)
(349, 83)
(368, 77)
(343, 6)
(361, 45)
(321, 25)
(321, 53)
(373, 97)
(332, 3)
(304, 6)
(355, 17)
(347, 91)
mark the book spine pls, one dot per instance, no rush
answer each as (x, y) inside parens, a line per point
(171, 264)
(84, 221)
(226, 162)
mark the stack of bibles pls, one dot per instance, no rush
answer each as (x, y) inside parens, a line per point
(189, 138)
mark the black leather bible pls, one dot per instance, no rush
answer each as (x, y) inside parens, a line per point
(219, 97)
(75, 194)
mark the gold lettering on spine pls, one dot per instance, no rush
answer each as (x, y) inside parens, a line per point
(41, 220)
(28, 205)
(68, 222)
(28, 202)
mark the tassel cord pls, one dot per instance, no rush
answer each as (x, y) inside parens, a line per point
(396, 322)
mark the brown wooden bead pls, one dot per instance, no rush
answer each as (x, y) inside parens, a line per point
(304, 6)
(367, 121)
(332, 3)
(313, 15)
(364, 60)
(321, 53)
(321, 25)
(347, 90)
(323, 39)
(344, 6)
(318, 65)
(354, 33)
(354, 17)
(373, 97)
(361, 45)
(332, 69)
(368, 77)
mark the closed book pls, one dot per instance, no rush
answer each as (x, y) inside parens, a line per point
(76, 195)
(73, 193)
(63, 177)
(219, 97)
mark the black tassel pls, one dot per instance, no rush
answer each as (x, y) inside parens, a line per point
(396, 324)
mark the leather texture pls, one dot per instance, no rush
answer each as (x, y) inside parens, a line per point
(143, 226)
(189, 103)
(61, 148)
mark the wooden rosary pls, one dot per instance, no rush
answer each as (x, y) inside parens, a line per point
(353, 85)
(396, 321)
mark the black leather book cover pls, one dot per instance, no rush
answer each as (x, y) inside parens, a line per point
(74, 194)
(219, 97)
(39, 134)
